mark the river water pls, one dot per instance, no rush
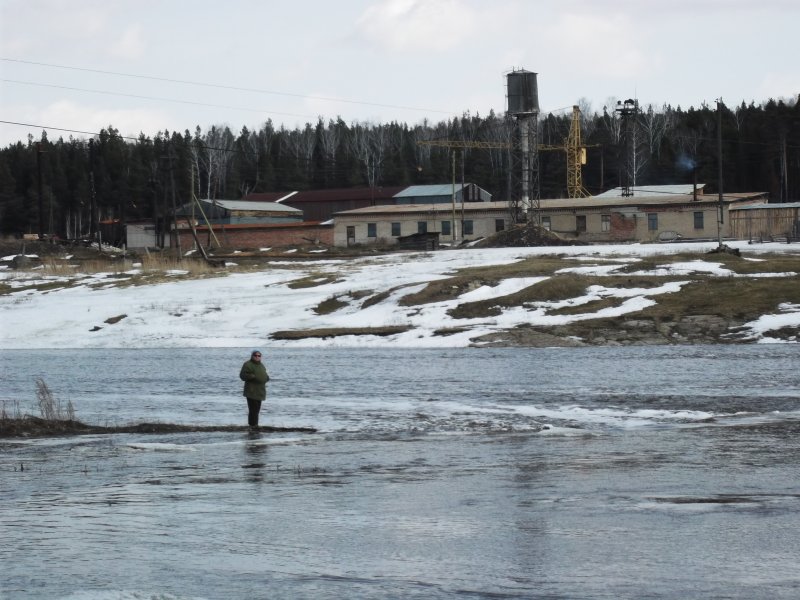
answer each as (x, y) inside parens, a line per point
(667, 472)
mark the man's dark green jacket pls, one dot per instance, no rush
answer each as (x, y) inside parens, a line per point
(255, 377)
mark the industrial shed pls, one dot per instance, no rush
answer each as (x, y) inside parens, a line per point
(766, 222)
(647, 216)
(239, 212)
(320, 205)
(386, 224)
(242, 223)
(257, 235)
(442, 193)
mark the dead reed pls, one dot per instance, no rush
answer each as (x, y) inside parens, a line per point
(50, 407)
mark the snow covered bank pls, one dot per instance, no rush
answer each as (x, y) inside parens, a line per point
(244, 309)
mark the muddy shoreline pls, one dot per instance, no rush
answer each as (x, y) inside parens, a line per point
(33, 427)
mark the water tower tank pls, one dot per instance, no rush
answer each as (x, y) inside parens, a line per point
(523, 92)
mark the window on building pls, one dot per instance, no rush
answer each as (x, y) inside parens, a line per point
(372, 230)
(445, 227)
(422, 227)
(499, 224)
(546, 223)
(698, 220)
(580, 223)
(605, 222)
(652, 221)
(396, 229)
(468, 230)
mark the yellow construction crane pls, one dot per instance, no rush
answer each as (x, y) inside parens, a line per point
(576, 157)
(574, 149)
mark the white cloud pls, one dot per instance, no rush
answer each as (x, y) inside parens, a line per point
(779, 86)
(50, 26)
(130, 44)
(418, 24)
(129, 122)
(598, 45)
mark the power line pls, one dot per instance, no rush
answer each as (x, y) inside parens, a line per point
(222, 86)
(116, 135)
(154, 98)
(64, 129)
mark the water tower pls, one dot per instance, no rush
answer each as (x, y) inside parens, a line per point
(523, 111)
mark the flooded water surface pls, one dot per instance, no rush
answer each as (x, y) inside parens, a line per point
(465, 473)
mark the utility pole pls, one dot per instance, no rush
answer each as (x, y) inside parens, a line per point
(157, 229)
(92, 207)
(720, 215)
(784, 170)
(463, 193)
(41, 197)
(453, 224)
(174, 207)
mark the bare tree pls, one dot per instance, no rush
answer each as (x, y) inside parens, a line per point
(422, 152)
(300, 144)
(654, 125)
(212, 155)
(330, 138)
(588, 117)
(612, 121)
(368, 144)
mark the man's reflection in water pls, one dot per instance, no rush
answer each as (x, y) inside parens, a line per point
(255, 457)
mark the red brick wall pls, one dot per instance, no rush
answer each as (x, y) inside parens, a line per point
(622, 228)
(254, 236)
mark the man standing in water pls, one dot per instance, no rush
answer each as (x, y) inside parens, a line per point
(255, 377)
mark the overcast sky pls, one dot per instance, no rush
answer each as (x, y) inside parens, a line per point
(150, 65)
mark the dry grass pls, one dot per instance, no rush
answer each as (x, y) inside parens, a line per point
(313, 280)
(55, 417)
(445, 331)
(301, 334)
(766, 263)
(557, 288)
(466, 279)
(380, 297)
(739, 298)
(10, 412)
(329, 305)
(50, 407)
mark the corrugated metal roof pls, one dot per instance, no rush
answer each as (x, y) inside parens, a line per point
(611, 201)
(250, 205)
(555, 204)
(287, 225)
(329, 195)
(645, 191)
(390, 209)
(770, 206)
(439, 189)
(266, 196)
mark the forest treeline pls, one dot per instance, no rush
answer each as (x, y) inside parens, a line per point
(65, 185)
